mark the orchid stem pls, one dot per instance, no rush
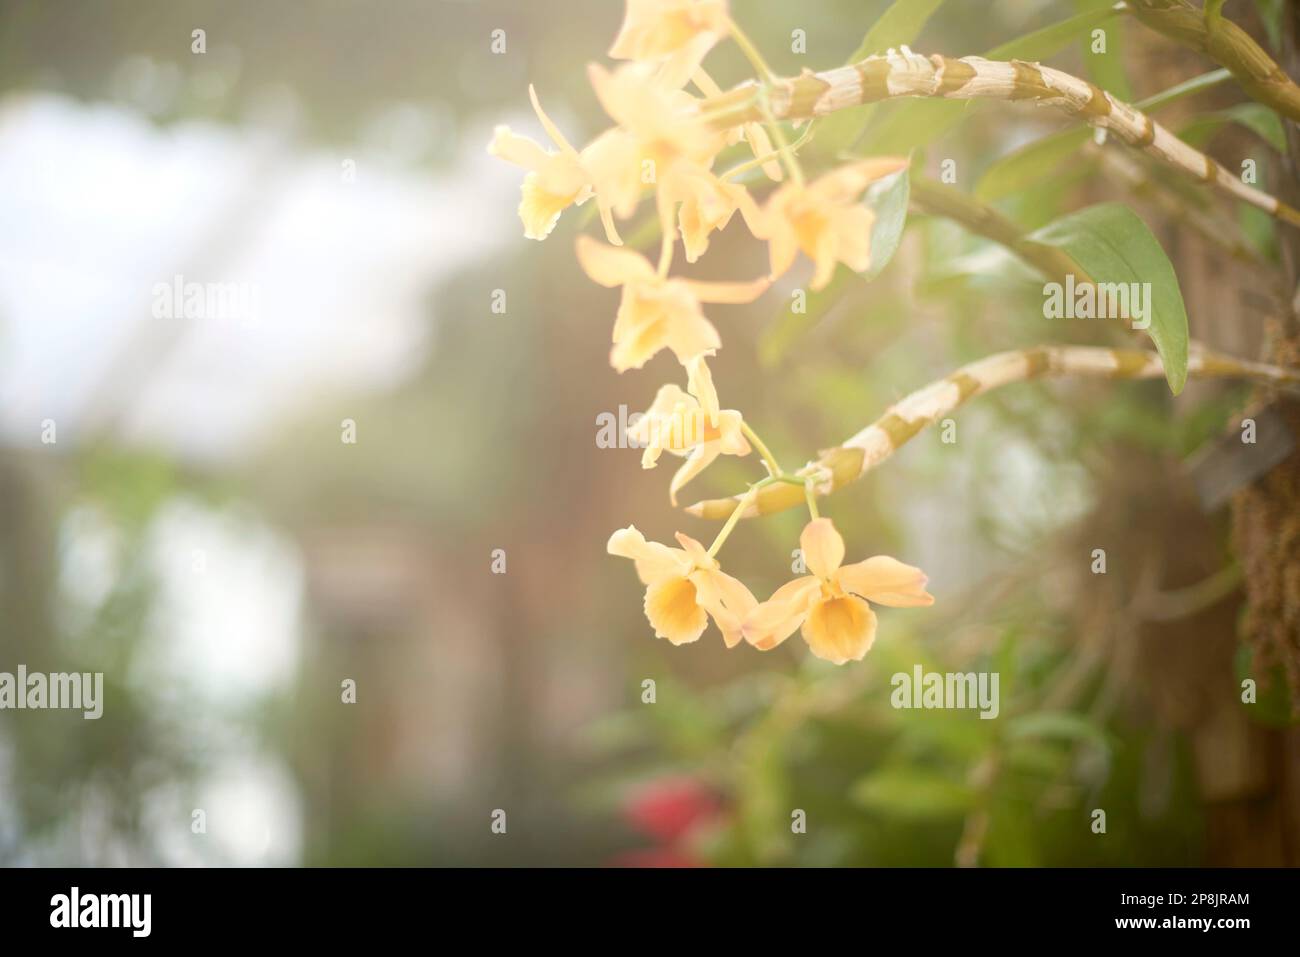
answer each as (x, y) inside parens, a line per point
(812, 499)
(665, 254)
(775, 154)
(766, 76)
(782, 144)
(752, 53)
(667, 239)
(773, 469)
(812, 95)
(741, 505)
(775, 474)
(908, 417)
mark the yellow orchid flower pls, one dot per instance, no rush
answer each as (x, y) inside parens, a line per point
(557, 180)
(612, 161)
(825, 219)
(673, 33)
(684, 588)
(657, 312)
(699, 383)
(708, 203)
(663, 139)
(689, 424)
(665, 120)
(831, 604)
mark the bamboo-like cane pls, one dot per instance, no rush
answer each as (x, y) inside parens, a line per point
(1228, 45)
(848, 462)
(904, 73)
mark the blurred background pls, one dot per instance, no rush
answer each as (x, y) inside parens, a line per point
(231, 515)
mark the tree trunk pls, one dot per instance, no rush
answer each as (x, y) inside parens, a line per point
(1261, 825)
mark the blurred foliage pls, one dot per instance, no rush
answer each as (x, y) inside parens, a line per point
(881, 786)
(491, 440)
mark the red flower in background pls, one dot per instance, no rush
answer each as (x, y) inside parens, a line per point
(669, 810)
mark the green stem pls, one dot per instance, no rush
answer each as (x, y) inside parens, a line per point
(782, 144)
(667, 235)
(665, 253)
(794, 147)
(744, 503)
(773, 469)
(1210, 33)
(811, 496)
(752, 53)
(766, 76)
(1213, 14)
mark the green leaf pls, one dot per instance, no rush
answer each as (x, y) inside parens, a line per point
(912, 793)
(1051, 39)
(1259, 228)
(888, 199)
(1256, 117)
(1036, 757)
(1031, 163)
(901, 23)
(1272, 704)
(1056, 724)
(1039, 203)
(1043, 157)
(905, 126)
(1270, 11)
(791, 324)
(1263, 122)
(1174, 93)
(1113, 245)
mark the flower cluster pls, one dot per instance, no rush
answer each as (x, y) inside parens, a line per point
(662, 145)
